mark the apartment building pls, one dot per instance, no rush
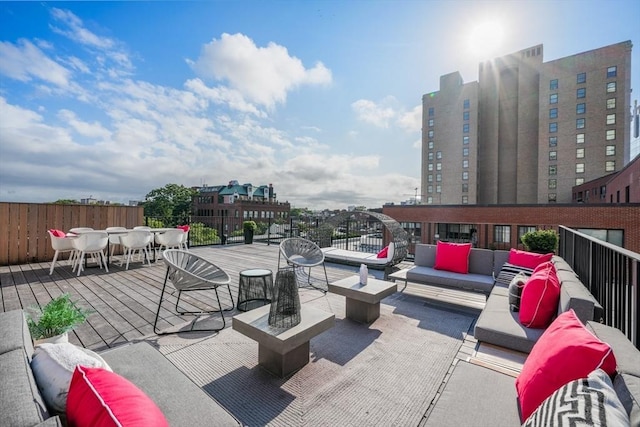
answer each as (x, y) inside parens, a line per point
(527, 131)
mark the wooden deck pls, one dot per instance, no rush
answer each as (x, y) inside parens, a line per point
(124, 302)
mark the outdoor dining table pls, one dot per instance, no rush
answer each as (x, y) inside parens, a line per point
(153, 231)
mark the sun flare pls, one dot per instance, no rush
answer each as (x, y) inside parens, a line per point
(485, 39)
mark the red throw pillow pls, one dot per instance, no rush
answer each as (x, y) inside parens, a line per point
(184, 228)
(540, 297)
(565, 352)
(383, 253)
(527, 259)
(57, 233)
(99, 398)
(453, 257)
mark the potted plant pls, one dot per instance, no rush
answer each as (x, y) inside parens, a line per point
(540, 241)
(53, 322)
(248, 227)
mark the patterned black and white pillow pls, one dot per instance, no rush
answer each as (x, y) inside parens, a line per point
(587, 401)
(509, 271)
(515, 290)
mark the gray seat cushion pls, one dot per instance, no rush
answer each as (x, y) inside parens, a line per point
(476, 396)
(474, 282)
(180, 399)
(14, 332)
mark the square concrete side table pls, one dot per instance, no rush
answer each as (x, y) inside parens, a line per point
(363, 302)
(283, 351)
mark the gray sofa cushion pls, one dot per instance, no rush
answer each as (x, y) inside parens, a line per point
(499, 325)
(474, 282)
(627, 388)
(574, 295)
(425, 255)
(467, 400)
(20, 402)
(182, 402)
(500, 257)
(14, 332)
(481, 261)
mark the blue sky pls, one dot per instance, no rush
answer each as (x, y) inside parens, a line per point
(320, 98)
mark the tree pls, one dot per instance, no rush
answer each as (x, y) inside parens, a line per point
(66, 202)
(171, 203)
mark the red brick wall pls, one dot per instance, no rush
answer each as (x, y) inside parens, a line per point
(619, 217)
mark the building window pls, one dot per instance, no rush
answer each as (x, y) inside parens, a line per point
(429, 200)
(579, 167)
(612, 72)
(553, 84)
(579, 153)
(438, 166)
(579, 181)
(429, 188)
(465, 140)
(465, 188)
(611, 103)
(553, 170)
(431, 111)
(465, 128)
(611, 119)
(580, 123)
(581, 108)
(430, 157)
(553, 113)
(465, 151)
(611, 135)
(438, 188)
(553, 141)
(552, 197)
(465, 163)
(581, 93)
(553, 98)
(465, 176)
(465, 200)
(430, 145)
(430, 178)
(430, 133)
(502, 233)
(610, 150)
(438, 177)
(524, 229)
(465, 115)
(553, 183)
(553, 155)
(581, 78)
(553, 127)
(465, 104)
(611, 87)
(438, 155)
(430, 123)
(430, 167)
(580, 138)
(610, 166)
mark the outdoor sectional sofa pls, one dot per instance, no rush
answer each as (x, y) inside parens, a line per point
(181, 401)
(343, 256)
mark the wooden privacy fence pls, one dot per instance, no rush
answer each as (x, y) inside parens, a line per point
(23, 226)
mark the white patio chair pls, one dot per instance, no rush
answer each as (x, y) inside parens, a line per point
(78, 230)
(303, 253)
(114, 238)
(91, 243)
(188, 272)
(170, 239)
(135, 241)
(61, 245)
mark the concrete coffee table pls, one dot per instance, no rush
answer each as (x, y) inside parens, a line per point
(283, 351)
(363, 302)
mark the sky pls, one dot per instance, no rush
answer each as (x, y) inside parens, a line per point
(322, 99)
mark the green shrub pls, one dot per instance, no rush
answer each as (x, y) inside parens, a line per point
(540, 241)
(249, 225)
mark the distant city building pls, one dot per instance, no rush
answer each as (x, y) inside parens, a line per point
(226, 206)
(618, 187)
(527, 131)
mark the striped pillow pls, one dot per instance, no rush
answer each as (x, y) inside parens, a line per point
(509, 271)
(589, 401)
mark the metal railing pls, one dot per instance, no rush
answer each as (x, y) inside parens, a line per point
(612, 275)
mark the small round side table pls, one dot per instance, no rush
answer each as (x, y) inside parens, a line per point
(255, 288)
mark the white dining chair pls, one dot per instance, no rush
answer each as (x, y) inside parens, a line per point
(78, 230)
(170, 239)
(135, 241)
(91, 243)
(61, 245)
(114, 237)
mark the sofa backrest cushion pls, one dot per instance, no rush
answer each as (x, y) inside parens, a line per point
(425, 255)
(565, 352)
(540, 296)
(453, 257)
(500, 258)
(574, 295)
(481, 261)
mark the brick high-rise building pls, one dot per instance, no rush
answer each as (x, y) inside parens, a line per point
(527, 131)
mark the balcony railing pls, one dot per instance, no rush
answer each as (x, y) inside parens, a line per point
(610, 273)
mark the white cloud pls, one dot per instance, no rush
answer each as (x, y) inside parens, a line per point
(263, 75)
(91, 130)
(24, 61)
(379, 115)
(411, 121)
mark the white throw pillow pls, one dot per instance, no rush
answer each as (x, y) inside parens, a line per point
(53, 366)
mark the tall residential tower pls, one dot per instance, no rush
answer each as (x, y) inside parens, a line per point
(528, 130)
